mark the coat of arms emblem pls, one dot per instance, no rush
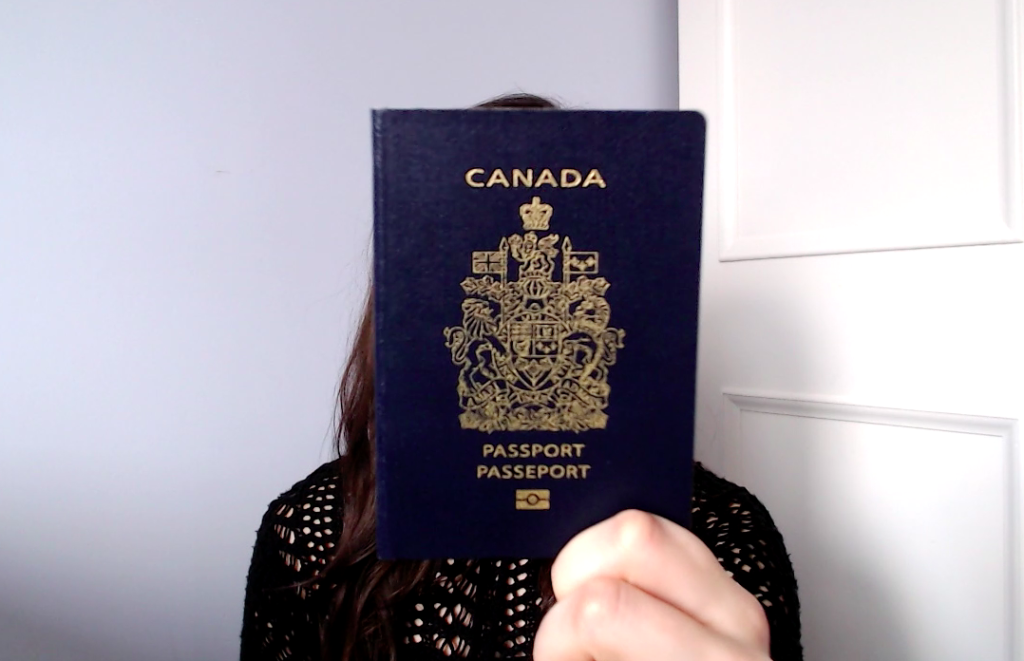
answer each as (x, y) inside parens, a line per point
(534, 351)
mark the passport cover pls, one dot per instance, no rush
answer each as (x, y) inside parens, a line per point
(535, 317)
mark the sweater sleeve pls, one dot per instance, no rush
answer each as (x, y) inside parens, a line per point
(281, 619)
(734, 524)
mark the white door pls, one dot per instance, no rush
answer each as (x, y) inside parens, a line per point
(862, 322)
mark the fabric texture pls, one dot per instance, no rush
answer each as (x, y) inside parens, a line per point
(481, 609)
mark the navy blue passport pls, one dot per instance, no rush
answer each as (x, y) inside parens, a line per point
(536, 281)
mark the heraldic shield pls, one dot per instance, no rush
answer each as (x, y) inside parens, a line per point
(534, 351)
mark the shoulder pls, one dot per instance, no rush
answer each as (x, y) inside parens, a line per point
(715, 496)
(294, 543)
(318, 489)
(739, 530)
(301, 525)
(734, 524)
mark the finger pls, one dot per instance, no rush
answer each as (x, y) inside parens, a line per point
(610, 620)
(668, 562)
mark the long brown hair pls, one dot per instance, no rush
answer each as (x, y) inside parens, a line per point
(365, 589)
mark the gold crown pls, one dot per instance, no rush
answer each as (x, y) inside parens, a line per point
(535, 215)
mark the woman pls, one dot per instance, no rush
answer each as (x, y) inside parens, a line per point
(633, 587)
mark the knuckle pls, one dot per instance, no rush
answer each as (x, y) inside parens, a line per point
(636, 532)
(597, 605)
(737, 653)
(547, 641)
(755, 621)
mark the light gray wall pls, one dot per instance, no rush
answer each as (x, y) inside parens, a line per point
(185, 209)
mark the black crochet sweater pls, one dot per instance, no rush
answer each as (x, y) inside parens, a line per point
(481, 609)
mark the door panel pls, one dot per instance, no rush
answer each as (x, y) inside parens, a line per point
(870, 500)
(897, 121)
(862, 256)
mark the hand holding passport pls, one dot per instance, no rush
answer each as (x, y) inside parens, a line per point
(639, 587)
(536, 283)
